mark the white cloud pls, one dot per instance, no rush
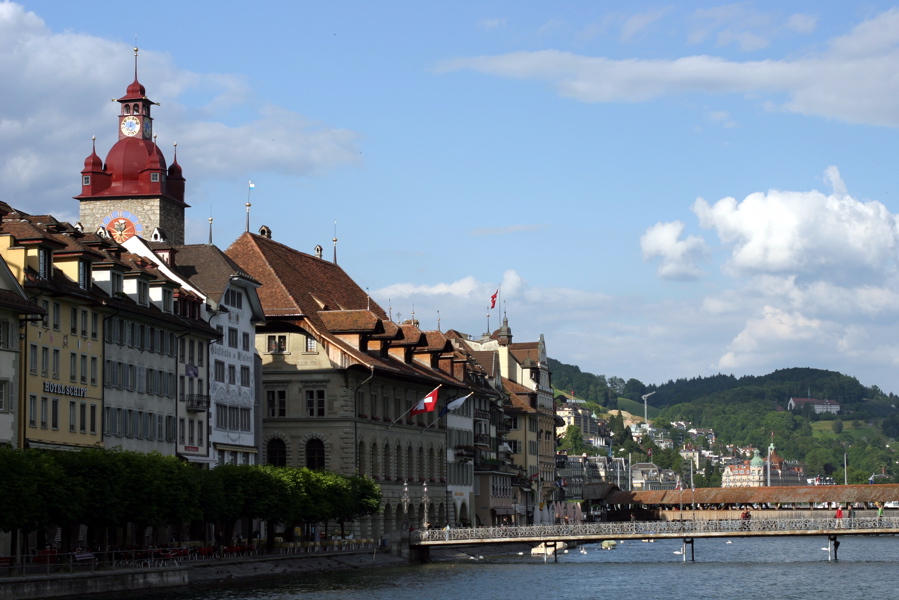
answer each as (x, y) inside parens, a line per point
(43, 147)
(834, 237)
(677, 257)
(852, 81)
(639, 22)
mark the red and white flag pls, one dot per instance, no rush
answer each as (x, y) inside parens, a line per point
(493, 299)
(426, 404)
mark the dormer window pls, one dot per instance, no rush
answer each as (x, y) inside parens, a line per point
(154, 177)
(44, 258)
(143, 293)
(84, 274)
(167, 301)
(116, 280)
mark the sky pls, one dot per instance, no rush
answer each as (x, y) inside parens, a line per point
(661, 190)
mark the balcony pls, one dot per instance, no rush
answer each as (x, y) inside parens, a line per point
(482, 415)
(196, 402)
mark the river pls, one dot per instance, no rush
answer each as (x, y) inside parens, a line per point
(745, 568)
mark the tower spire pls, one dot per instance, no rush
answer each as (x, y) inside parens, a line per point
(334, 239)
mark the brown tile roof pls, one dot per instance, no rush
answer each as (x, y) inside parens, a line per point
(316, 294)
(351, 321)
(208, 268)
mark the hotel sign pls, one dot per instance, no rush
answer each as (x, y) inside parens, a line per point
(65, 390)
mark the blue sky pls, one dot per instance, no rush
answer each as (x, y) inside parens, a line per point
(662, 190)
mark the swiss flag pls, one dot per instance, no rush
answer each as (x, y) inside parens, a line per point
(493, 299)
(426, 404)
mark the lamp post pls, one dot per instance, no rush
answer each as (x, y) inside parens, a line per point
(406, 506)
(425, 500)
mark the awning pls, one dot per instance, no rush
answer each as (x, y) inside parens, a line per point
(250, 449)
(503, 511)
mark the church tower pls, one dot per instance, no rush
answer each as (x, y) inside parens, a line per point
(132, 192)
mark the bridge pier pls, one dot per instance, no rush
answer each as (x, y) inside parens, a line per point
(833, 544)
(688, 541)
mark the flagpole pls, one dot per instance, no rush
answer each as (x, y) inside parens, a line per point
(400, 418)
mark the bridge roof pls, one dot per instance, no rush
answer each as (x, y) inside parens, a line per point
(813, 494)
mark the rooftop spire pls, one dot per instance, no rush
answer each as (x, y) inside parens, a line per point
(334, 239)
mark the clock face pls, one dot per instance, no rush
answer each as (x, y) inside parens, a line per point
(122, 225)
(130, 126)
(148, 129)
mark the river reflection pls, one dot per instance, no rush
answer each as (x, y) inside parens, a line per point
(779, 568)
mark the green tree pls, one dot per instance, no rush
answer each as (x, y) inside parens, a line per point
(837, 426)
(573, 442)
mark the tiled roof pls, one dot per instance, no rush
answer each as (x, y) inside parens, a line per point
(317, 294)
(208, 268)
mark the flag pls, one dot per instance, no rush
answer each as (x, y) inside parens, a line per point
(679, 486)
(493, 299)
(457, 403)
(252, 185)
(426, 404)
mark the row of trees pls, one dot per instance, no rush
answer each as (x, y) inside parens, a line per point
(108, 490)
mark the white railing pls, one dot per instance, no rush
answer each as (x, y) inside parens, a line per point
(649, 529)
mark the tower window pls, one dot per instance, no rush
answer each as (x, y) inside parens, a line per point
(126, 109)
(137, 109)
(86, 180)
(154, 177)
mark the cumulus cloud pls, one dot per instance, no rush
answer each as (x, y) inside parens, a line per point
(677, 257)
(44, 147)
(832, 237)
(852, 80)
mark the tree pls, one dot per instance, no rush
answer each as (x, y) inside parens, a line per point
(573, 442)
(837, 426)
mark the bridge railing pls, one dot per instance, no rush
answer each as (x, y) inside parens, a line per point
(653, 528)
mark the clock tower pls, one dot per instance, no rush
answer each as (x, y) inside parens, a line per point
(132, 192)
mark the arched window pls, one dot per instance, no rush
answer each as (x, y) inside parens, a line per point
(277, 453)
(315, 454)
(126, 109)
(137, 109)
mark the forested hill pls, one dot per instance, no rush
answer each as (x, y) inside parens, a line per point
(775, 389)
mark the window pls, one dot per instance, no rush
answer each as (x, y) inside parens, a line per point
(84, 274)
(44, 259)
(515, 445)
(310, 343)
(73, 320)
(83, 323)
(277, 344)
(181, 430)
(246, 342)
(219, 371)
(244, 419)
(315, 403)
(93, 418)
(32, 411)
(94, 325)
(154, 178)
(181, 346)
(200, 353)
(200, 428)
(190, 432)
(245, 376)
(45, 361)
(72, 416)
(190, 353)
(32, 359)
(315, 454)
(83, 368)
(82, 417)
(277, 403)
(115, 280)
(234, 298)
(56, 316)
(4, 334)
(54, 414)
(45, 317)
(94, 372)
(143, 293)
(232, 337)
(167, 301)
(86, 180)
(232, 374)
(4, 403)
(43, 412)
(55, 363)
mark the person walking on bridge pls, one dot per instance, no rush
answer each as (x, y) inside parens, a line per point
(839, 516)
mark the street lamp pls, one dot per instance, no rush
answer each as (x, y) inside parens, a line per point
(405, 505)
(425, 500)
